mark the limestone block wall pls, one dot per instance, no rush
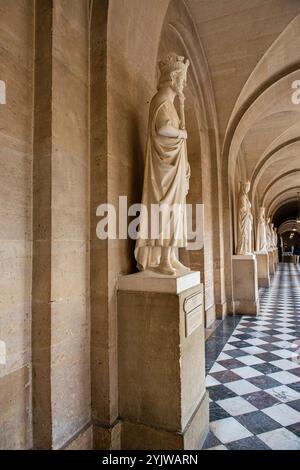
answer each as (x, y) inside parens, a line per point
(70, 348)
(60, 300)
(16, 70)
(44, 232)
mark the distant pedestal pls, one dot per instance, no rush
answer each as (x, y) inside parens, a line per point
(245, 284)
(271, 262)
(263, 276)
(162, 396)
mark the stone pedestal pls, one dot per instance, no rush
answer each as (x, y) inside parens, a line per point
(263, 276)
(271, 262)
(245, 285)
(162, 397)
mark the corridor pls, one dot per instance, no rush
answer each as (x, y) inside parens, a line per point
(253, 372)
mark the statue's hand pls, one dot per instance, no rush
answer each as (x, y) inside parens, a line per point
(182, 134)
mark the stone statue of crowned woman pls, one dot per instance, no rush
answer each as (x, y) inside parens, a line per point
(261, 235)
(163, 219)
(245, 221)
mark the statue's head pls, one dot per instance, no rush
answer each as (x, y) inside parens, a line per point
(173, 72)
(245, 187)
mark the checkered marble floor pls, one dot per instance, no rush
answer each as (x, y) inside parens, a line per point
(254, 383)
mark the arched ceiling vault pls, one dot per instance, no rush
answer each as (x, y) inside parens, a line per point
(290, 225)
(285, 206)
(282, 182)
(253, 68)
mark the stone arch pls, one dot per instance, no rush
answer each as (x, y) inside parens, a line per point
(254, 103)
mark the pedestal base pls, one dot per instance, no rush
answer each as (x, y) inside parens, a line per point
(135, 436)
(245, 285)
(162, 396)
(263, 276)
(150, 281)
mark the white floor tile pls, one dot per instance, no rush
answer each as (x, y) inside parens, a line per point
(217, 368)
(284, 353)
(255, 341)
(284, 393)
(211, 381)
(285, 336)
(241, 387)
(221, 447)
(229, 430)
(229, 347)
(247, 372)
(250, 360)
(233, 340)
(284, 377)
(287, 345)
(284, 364)
(253, 350)
(281, 439)
(223, 357)
(283, 414)
(260, 328)
(236, 406)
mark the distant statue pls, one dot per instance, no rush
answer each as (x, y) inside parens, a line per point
(269, 234)
(274, 236)
(166, 176)
(245, 221)
(261, 235)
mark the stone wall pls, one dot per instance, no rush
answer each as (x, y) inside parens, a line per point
(16, 70)
(44, 187)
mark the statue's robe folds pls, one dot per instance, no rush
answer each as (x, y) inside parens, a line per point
(245, 226)
(165, 186)
(269, 237)
(261, 237)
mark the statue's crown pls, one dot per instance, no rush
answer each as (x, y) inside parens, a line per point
(173, 62)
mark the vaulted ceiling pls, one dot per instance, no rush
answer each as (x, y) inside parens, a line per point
(253, 52)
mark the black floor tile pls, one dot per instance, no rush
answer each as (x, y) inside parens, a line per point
(225, 376)
(258, 422)
(267, 368)
(219, 392)
(250, 443)
(216, 412)
(261, 399)
(210, 441)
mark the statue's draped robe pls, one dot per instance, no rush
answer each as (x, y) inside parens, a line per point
(275, 239)
(245, 226)
(261, 236)
(165, 185)
(269, 237)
